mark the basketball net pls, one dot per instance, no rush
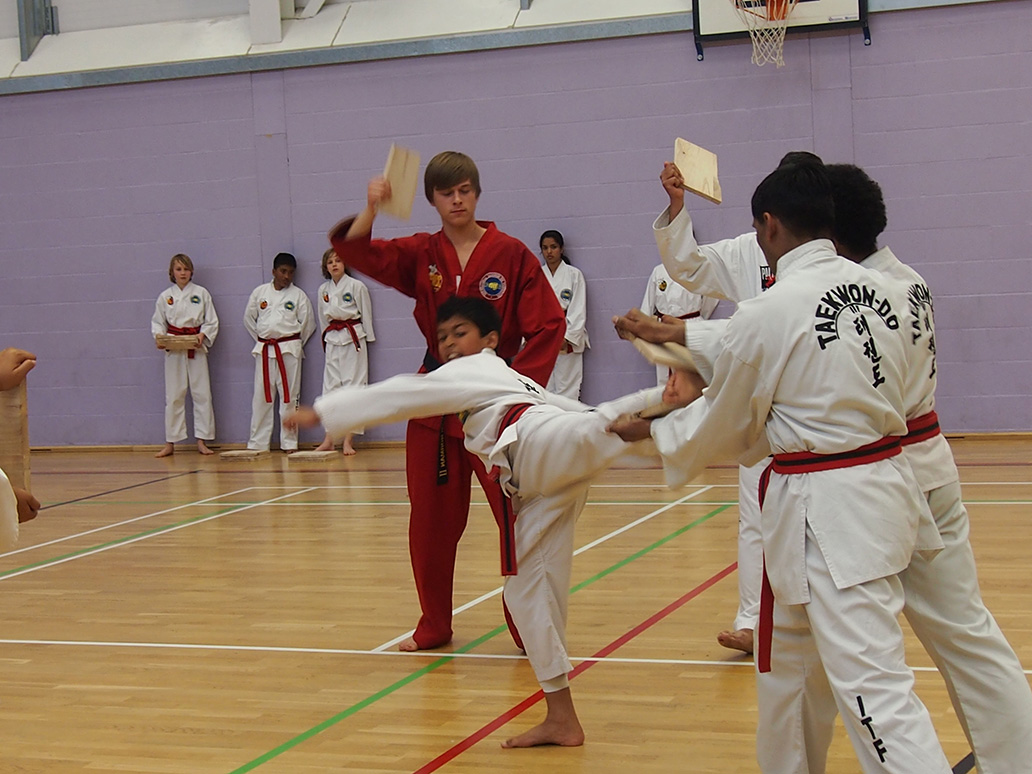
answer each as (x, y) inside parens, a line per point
(766, 21)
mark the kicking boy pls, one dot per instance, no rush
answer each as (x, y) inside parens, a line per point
(466, 257)
(279, 318)
(545, 450)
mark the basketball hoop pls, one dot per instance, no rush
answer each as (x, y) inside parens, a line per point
(766, 21)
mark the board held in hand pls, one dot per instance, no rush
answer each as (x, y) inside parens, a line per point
(402, 172)
(667, 354)
(698, 167)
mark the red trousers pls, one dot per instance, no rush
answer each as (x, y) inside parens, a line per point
(437, 519)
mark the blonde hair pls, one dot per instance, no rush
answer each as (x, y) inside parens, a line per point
(184, 260)
(447, 170)
(326, 259)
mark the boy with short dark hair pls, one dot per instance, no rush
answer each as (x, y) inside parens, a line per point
(544, 449)
(280, 320)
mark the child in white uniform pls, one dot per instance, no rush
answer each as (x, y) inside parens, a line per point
(280, 320)
(569, 286)
(186, 309)
(346, 320)
(546, 450)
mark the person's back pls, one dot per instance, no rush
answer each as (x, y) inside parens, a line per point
(814, 370)
(944, 605)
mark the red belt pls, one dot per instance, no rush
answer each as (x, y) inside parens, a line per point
(807, 462)
(922, 428)
(185, 332)
(507, 519)
(274, 343)
(339, 325)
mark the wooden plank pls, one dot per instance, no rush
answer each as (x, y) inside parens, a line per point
(666, 354)
(14, 439)
(244, 454)
(402, 172)
(698, 167)
(175, 343)
(313, 455)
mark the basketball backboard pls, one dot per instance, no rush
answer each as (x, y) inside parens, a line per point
(718, 19)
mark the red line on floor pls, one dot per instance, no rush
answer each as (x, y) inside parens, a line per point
(530, 701)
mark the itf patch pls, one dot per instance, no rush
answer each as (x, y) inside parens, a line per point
(492, 286)
(566, 295)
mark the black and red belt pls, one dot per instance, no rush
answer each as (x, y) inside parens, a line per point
(922, 428)
(807, 462)
(507, 518)
(274, 344)
(191, 331)
(340, 325)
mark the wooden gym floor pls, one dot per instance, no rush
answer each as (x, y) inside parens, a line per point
(213, 617)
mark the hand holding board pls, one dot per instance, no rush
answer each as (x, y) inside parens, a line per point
(698, 167)
(402, 172)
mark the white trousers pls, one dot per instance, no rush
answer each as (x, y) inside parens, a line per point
(750, 545)
(567, 375)
(345, 367)
(554, 461)
(843, 651)
(183, 373)
(261, 412)
(944, 606)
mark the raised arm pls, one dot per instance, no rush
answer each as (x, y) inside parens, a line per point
(719, 270)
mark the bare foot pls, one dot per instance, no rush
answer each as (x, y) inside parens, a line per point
(349, 450)
(409, 645)
(547, 733)
(202, 447)
(326, 445)
(168, 451)
(740, 639)
(560, 727)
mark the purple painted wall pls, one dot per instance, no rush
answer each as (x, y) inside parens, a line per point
(99, 187)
